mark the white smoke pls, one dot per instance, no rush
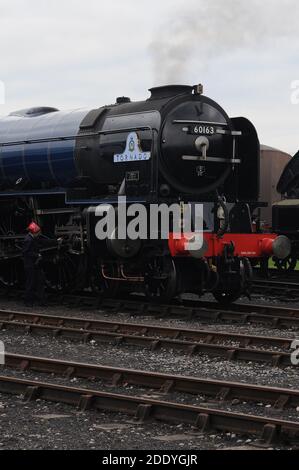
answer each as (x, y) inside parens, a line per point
(213, 28)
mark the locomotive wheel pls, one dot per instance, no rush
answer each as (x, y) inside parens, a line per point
(161, 280)
(226, 297)
(286, 265)
(61, 272)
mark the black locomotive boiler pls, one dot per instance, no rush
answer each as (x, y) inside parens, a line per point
(178, 146)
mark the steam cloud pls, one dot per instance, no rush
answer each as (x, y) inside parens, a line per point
(213, 28)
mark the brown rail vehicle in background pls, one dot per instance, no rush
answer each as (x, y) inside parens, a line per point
(272, 164)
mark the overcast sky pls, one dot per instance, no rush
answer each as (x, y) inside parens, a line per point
(71, 53)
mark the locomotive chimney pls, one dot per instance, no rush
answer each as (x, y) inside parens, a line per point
(168, 91)
(123, 100)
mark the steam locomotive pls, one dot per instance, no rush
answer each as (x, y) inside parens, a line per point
(178, 146)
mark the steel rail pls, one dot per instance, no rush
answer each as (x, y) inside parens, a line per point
(221, 390)
(142, 409)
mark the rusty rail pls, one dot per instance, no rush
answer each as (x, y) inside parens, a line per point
(204, 419)
(220, 390)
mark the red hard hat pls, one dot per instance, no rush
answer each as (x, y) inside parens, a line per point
(33, 228)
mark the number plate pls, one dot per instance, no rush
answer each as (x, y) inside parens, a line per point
(132, 176)
(202, 130)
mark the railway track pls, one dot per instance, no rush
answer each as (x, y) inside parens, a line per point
(285, 317)
(218, 390)
(204, 417)
(153, 337)
(269, 430)
(272, 316)
(287, 289)
(259, 309)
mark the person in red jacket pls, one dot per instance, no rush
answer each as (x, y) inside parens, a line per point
(35, 276)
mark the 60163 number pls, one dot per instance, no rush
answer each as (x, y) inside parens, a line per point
(207, 130)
